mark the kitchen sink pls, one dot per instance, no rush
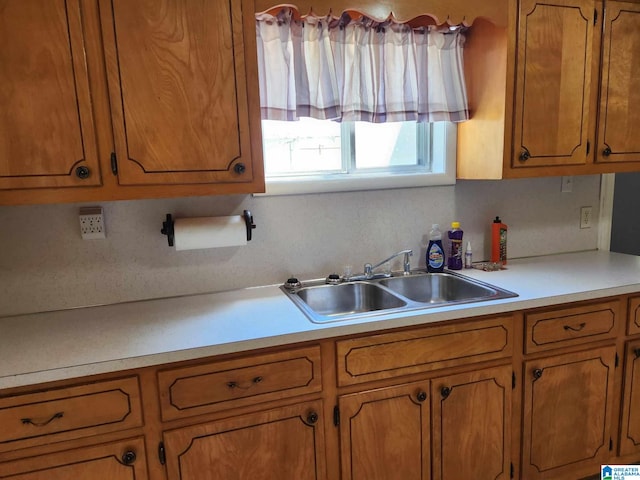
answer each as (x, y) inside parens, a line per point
(323, 302)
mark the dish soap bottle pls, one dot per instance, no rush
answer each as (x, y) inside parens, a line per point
(455, 237)
(498, 242)
(435, 252)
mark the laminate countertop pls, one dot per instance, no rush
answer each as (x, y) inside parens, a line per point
(64, 344)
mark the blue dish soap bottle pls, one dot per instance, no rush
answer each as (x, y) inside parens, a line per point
(435, 251)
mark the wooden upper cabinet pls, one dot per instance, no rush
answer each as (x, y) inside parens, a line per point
(47, 132)
(553, 83)
(618, 132)
(178, 91)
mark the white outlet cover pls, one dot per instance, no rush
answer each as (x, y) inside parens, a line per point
(92, 223)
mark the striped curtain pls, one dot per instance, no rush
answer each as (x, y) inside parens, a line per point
(348, 69)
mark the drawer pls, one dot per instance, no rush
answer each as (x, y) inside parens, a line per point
(71, 412)
(235, 383)
(563, 327)
(633, 328)
(390, 355)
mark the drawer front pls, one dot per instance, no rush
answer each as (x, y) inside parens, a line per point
(633, 328)
(390, 355)
(71, 412)
(222, 385)
(546, 330)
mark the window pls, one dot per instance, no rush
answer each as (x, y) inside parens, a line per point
(312, 155)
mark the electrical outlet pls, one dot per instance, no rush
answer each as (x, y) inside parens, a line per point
(585, 217)
(92, 223)
(567, 184)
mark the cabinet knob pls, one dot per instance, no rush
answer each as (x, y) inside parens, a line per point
(129, 457)
(445, 392)
(312, 418)
(421, 396)
(83, 172)
(239, 168)
(537, 373)
(524, 156)
(606, 152)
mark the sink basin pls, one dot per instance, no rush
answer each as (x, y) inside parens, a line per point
(439, 288)
(348, 299)
(323, 303)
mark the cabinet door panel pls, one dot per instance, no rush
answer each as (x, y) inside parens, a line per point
(46, 120)
(567, 405)
(630, 424)
(472, 425)
(618, 139)
(177, 84)
(285, 443)
(384, 434)
(553, 82)
(101, 462)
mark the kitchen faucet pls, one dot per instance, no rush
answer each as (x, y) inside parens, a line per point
(368, 268)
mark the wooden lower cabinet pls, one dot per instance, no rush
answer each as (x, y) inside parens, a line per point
(460, 421)
(285, 443)
(567, 407)
(471, 425)
(122, 460)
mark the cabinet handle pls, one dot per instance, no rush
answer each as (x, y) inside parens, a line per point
(255, 381)
(83, 172)
(636, 352)
(445, 392)
(421, 396)
(239, 168)
(129, 457)
(525, 155)
(28, 421)
(312, 418)
(537, 373)
(606, 152)
(575, 329)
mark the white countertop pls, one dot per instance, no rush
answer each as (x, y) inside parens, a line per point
(58, 345)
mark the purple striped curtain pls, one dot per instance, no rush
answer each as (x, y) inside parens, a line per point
(359, 70)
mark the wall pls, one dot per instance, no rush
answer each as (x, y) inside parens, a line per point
(45, 265)
(625, 222)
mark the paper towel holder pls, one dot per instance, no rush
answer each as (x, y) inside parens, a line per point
(168, 227)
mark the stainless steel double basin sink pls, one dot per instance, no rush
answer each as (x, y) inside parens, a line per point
(324, 303)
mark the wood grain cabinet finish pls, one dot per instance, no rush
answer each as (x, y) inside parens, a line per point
(630, 422)
(286, 443)
(618, 139)
(571, 326)
(633, 326)
(122, 460)
(178, 90)
(385, 433)
(222, 385)
(47, 131)
(388, 355)
(67, 413)
(553, 88)
(567, 408)
(472, 425)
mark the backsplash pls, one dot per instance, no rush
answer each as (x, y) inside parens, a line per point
(45, 265)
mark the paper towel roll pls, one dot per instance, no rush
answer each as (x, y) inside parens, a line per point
(209, 232)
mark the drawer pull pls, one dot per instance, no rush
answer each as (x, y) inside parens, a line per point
(575, 329)
(28, 421)
(255, 381)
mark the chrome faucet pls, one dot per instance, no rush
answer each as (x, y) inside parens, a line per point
(368, 268)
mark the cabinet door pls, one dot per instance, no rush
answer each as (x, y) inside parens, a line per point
(630, 424)
(553, 83)
(178, 90)
(47, 134)
(285, 443)
(384, 433)
(567, 405)
(472, 425)
(618, 139)
(124, 460)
